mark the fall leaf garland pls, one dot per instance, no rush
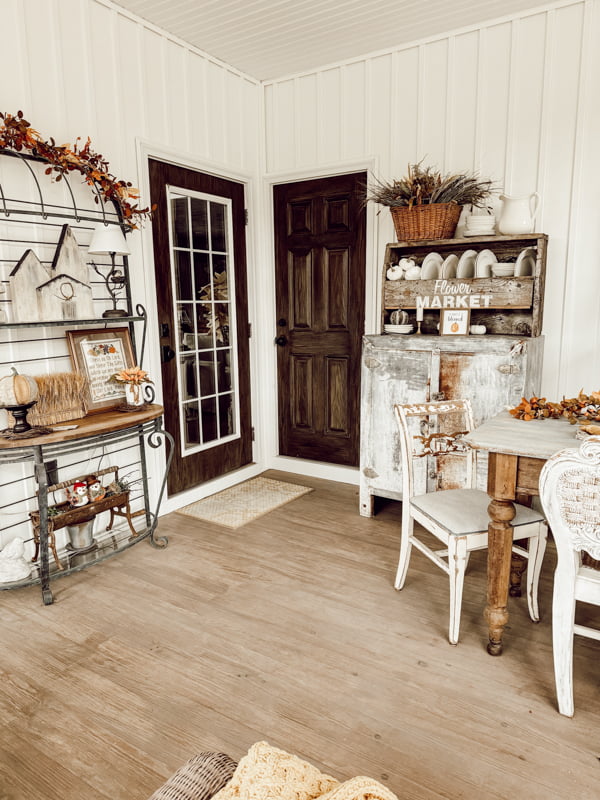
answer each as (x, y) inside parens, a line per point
(17, 134)
(576, 409)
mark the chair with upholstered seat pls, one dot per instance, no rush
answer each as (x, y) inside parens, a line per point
(438, 491)
(570, 494)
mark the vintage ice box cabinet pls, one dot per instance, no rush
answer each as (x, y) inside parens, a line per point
(493, 370)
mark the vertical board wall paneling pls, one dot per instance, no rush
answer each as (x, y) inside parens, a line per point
(404, 134)
(108, 136)
(434, 87)
(130, 78)
(560, 131)
(41, 58)
(581, 340)
(216, 102)
(198, 103)
(526, 94)
(154, 87)
(177, 97)
(379, 114)
(493, 112)
(329, 116)
(72, 27)
(506, 99)
(353, 111)
(306, 117)
(462, 105)
(16, 92)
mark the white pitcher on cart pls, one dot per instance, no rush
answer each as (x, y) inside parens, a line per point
(518, 213)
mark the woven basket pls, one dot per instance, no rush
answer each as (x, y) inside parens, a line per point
(435, 221)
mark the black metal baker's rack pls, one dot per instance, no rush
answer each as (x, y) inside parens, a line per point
(35, 223)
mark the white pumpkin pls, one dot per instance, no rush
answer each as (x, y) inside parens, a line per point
(17, 390)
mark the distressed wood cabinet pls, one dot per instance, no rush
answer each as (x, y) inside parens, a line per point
(493, 372)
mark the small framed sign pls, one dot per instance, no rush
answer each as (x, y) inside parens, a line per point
(98, 354)
(454, 321)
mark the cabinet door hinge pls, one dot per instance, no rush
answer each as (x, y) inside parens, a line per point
(249, 330)
(245, 216)
(252, 432)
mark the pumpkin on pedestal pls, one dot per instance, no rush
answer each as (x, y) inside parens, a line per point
(17, 394)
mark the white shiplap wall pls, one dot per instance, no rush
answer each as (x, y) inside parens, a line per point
(88, 68)
(518, 100)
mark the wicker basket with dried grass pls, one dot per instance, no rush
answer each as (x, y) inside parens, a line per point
(426, 204)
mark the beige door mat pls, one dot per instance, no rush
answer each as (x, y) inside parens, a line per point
(245, 502)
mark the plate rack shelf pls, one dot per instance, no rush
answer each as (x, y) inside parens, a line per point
(510, 306)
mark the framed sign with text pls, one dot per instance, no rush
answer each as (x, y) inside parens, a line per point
(454, 321)
(99, 354)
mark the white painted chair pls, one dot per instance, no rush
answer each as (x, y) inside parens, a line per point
(570, 493)
(438, 490)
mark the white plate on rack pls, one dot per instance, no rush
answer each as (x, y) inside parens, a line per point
(483, 264)
(430, 268)
(466, 264)
(525, 263)
(448, 268)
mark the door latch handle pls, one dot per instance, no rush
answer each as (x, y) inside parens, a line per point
(167, 353)
(281, 341)
(508, 369)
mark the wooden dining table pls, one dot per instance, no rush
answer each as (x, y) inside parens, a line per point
(517, 451)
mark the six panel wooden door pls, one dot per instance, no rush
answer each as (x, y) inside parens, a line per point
(320, 283)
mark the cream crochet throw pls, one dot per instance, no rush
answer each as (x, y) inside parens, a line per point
(266, 773)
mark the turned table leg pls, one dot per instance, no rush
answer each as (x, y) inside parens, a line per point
(502, 471)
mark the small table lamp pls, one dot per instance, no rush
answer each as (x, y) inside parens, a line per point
(110, 240)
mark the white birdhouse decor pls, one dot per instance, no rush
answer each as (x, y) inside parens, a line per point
(62, 291)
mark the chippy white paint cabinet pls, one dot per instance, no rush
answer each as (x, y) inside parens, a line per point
(493, 372)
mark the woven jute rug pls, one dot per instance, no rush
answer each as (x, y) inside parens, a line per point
(245, 502)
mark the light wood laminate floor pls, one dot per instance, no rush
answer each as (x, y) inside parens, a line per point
(287, 630)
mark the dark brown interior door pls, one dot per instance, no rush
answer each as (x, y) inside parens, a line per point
(320, 281)
(198, 232)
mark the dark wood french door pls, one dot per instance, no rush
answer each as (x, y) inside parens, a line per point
(198, 231)
(320, 281)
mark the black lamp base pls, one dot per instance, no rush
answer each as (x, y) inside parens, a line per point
(114, 312)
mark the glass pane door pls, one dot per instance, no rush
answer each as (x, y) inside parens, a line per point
(202, 272)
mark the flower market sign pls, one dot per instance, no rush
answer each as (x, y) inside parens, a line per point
(474, 293)
(447, 294)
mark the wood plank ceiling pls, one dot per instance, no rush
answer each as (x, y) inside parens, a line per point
(268, 39)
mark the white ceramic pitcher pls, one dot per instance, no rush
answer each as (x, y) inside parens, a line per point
(518, 213)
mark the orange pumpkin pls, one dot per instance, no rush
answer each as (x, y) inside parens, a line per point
(17, 390)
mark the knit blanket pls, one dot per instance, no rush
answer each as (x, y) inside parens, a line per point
(266, 773)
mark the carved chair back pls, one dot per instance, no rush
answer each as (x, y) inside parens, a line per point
(433, 453)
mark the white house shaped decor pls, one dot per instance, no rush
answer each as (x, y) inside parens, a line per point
(62, 292)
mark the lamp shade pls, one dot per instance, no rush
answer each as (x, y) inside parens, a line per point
(108, 239)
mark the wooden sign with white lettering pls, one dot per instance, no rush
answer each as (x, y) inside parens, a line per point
(456, 293)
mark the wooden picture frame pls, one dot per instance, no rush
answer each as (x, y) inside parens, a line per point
(455, 321)
(99, 353)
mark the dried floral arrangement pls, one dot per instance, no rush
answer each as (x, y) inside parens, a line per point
(17, 134)
(577, 409)
(426, 185)
(133, 375)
